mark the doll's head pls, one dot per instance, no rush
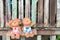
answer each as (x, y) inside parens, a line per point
(26, 21)
(14, 23)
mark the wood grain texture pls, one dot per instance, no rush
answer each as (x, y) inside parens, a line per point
(34, 10)
(46, 13)
(58, 13)
(40, 12)
(52, 12)
(21, 9)
(9, 10)
(1, 13)
(14, 9)
(27, 8)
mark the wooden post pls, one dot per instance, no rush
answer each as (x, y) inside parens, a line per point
(52, 37)
(52, 16)
(1, 13)
(27, 8)
(21, 13)
(58, 13)
(58, 17)
(52, 12)
(9, 10)
(46, 13)
(34, 10)
(39, 37)
(14, 9)
(21, 9)
(40, 12)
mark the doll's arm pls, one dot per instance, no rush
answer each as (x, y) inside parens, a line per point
(32, 24)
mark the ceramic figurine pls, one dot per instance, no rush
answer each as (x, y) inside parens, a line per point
(16, 29)
(27, 30)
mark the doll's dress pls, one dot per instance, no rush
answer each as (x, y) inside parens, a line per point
(27, 29)
(15, 30)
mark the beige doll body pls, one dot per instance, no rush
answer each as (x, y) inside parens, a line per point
(27, 28)
(16, 29)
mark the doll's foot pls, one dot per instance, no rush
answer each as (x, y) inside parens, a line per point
(35, 32)
(12, 36)
(17, 36)
(27, 35)
(31, 34)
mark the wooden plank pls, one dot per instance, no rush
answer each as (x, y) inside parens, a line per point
(46, 13)
(52, 16)
(14, 9)
(34, 2)
(53, 37)
(40, 12)
(58, 17)
(21, 9)
(9, 10)
(1, 13)
(46, 17)
(21, 13)
(39, 37)
(52, 12)
(27, 8)
(58, 13)
(40, 32)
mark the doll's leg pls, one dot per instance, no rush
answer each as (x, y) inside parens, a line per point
(31, 34)
(13, 36)
(35, 31)
(17, 36)
(27, 35)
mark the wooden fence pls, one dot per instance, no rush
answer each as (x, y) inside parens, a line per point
(45, 13)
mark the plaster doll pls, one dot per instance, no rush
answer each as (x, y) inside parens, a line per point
(16, 29)
(27, 30)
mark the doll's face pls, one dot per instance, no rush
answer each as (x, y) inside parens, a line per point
(26, 21)
(14, 23)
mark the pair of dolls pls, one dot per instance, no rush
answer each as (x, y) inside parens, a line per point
(24, 30)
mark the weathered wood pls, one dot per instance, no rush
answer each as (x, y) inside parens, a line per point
(40, 12)
(14, 9)
(52, 16)
(52, 12)
(21, 9)
(58, 17)
(58, 13)
(27, 8)
(9, 10)
(34, 10)
(40, 32)
(46, 13)
(1, 13)
(38, 37)
(53, 37)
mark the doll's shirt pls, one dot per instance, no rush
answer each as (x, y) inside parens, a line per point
(16, 30)
(27, 29)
